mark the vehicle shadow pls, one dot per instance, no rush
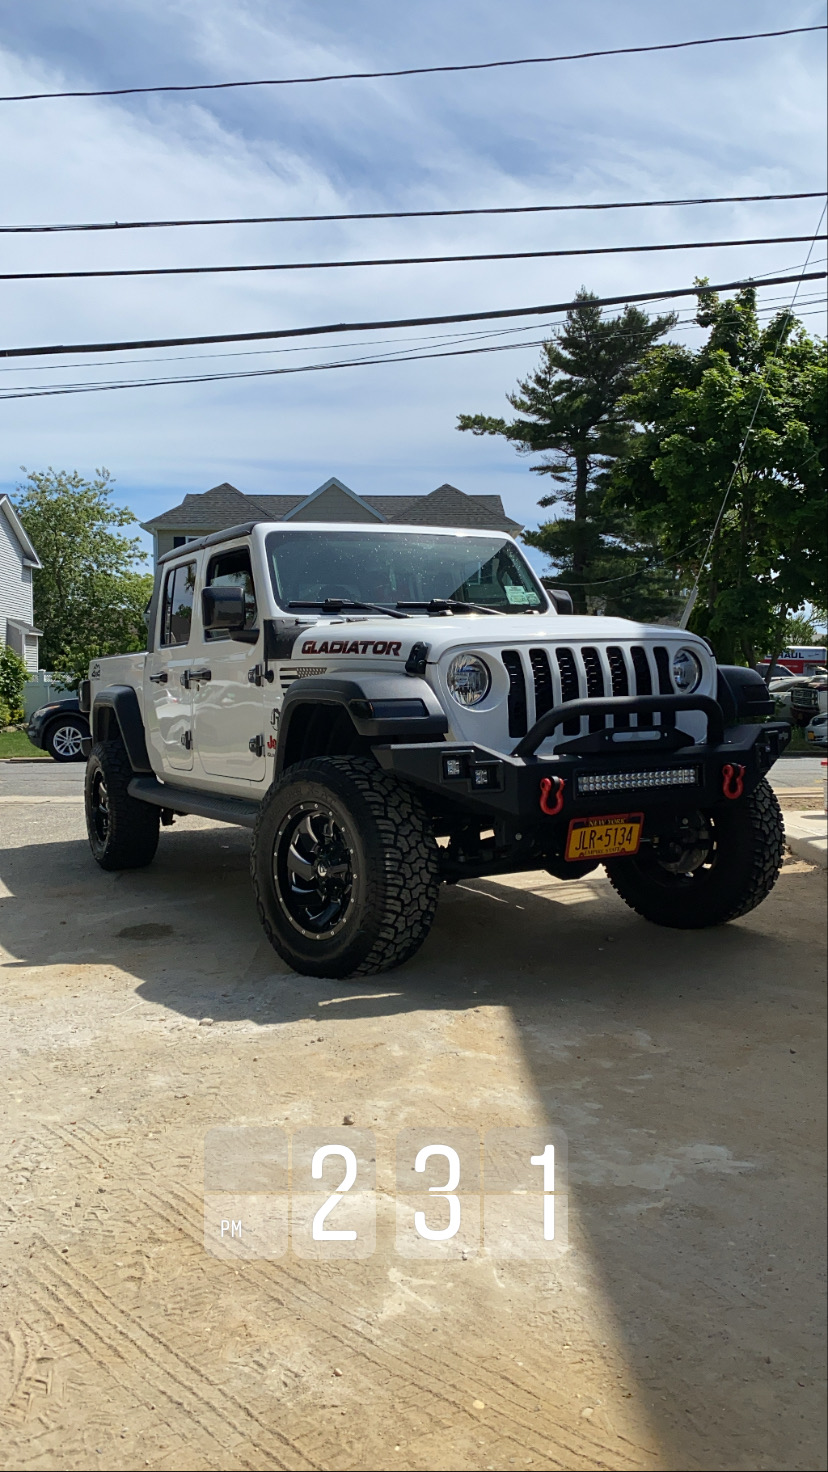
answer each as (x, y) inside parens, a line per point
(670, 1059)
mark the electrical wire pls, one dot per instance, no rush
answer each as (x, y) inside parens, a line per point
(413, 71)
(550, 308)
(511, 209)
(511, 255)
(683, 322)
(691, 600)
(374, 360)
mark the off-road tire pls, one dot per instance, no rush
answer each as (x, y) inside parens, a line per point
(394, 867)
(749, 838)
(126, 835)
(63, 739)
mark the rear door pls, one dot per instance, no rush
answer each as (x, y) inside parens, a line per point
(168, 695)
(228, 706)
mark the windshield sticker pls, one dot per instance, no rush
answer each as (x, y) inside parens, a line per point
(356, 646)
(519, 595)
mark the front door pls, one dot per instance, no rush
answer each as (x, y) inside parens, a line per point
(169, 699)
(228, 706)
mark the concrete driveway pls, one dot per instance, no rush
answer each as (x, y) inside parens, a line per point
(681, 1328)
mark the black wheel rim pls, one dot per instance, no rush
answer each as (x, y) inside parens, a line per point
(313, 870)
(100, 808)
(673, 868)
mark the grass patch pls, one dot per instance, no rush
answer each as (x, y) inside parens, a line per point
(17, 743)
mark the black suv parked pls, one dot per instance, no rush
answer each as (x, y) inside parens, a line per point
(60, 728)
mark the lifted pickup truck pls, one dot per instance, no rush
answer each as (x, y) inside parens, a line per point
(389, 708)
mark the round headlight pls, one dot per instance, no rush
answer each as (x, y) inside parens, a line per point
(469, 679)
(687, 671)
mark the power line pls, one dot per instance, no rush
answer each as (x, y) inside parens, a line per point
(685, 322)
(376, 360)
(513, 255)
(517, 209)
(376, 326)
(412, 71)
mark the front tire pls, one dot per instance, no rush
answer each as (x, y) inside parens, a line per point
(123, 832)
(739, 865)
(344, 868)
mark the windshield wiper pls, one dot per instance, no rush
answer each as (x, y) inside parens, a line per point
(449, 605)
(336, 605)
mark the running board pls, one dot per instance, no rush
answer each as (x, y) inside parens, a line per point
(200, 804)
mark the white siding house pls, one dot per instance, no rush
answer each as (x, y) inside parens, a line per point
(18, 559)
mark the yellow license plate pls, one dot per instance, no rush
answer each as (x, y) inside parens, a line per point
(604, 838)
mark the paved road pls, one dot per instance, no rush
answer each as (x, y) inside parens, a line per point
(680, 1330)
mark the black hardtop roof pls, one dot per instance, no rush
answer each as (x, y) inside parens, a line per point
(227, 534)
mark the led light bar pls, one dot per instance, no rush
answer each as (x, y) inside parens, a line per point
(623, 781)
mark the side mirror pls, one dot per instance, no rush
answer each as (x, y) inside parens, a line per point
(561, 599)
(223, 610)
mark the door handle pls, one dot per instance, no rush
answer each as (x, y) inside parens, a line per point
(195, 677)
(160, 679)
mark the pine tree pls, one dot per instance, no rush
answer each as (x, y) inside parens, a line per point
(570, 413)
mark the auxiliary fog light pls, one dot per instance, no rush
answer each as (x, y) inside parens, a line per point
(598, 782)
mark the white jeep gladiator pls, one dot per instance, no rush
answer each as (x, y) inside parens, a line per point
(389, 708)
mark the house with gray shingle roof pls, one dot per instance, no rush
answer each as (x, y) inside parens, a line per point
(224, 506)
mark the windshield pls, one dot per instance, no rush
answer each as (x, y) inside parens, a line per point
(405, 567)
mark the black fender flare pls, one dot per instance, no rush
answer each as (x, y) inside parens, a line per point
(382, 708)
(123, 702)
(742, 694)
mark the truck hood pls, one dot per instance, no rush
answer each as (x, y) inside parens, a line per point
(360, 638)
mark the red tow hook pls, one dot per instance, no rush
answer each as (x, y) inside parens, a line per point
(552, 785)
(733, 781)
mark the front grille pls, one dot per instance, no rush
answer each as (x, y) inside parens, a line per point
(618, 671)
(518, 725)
(643, 678)
(594, 673)
(662, 659)
(620, 681)
(542, 674)
(570, 689)
(541, 678)
(594, 682)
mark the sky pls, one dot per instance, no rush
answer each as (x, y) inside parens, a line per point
(745, 118)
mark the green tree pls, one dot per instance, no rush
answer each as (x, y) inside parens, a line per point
(765, 387)
(89, 597)
(570, 413)
(801, 628)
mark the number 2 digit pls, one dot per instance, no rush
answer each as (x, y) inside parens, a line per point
(320, 1232)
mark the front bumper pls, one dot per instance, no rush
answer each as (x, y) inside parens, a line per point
(34, 730)
(614, 769)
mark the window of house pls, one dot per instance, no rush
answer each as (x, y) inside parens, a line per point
(233, 570)
(177, 608)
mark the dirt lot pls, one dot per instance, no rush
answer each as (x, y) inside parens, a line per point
(682, 1329)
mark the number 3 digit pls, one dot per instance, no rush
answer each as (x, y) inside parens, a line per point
(321, 1233)
(430, 1233)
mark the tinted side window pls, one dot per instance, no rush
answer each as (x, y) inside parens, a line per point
(233, 570)
(177, 614)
